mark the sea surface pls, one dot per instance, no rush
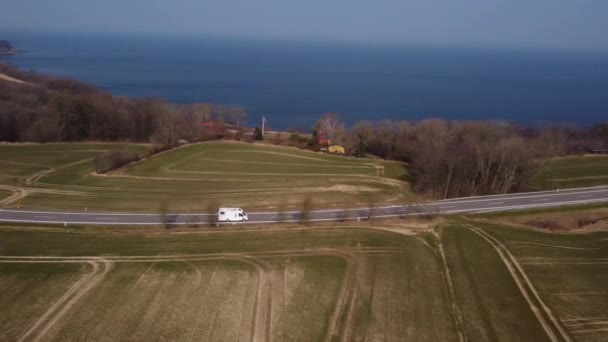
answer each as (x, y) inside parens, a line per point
(293, 82)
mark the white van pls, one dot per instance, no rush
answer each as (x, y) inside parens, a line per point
(231, 215)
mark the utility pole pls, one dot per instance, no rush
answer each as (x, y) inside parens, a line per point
(263, 124)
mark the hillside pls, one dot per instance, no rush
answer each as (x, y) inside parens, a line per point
(63, 177)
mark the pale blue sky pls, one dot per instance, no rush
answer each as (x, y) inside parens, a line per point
(563, 24)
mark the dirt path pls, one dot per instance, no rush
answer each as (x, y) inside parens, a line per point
(17, 195)
(454, 308)
(348, 283)
(552, 326)
(262, 315)
(33, 179)
(360, 274)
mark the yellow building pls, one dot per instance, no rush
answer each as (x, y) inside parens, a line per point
(336, 149)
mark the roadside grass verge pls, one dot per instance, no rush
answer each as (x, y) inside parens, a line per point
(570, 172)
(576, 218)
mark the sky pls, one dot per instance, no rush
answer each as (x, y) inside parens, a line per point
(561, 24)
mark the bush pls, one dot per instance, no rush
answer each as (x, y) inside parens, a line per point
(257, 134)
(113, 160)
(163, 212)
(212, 208)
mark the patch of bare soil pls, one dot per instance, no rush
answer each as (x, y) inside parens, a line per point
(350, 189)
(545, 224)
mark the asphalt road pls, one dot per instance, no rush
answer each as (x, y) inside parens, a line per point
(480, 204)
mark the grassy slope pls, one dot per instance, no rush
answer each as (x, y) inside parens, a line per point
(571, 172)
(239, 174)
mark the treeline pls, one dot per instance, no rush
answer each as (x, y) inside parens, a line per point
(464, 158)
(45, 109)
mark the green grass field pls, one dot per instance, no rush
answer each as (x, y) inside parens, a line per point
(570, 172)
(469, 280)
(253, 176)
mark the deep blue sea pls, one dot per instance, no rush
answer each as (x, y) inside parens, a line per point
(292, 83)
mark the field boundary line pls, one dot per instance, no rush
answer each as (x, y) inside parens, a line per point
(516, 272)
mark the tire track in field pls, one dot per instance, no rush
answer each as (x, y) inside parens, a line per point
(200, 310)
(341, 319)
(17, 194)
(344, 296)
(518, 243)
(35, 178)
(546, 318)
(454, 307)
(263, 269)
(359, 274)
(41, 328)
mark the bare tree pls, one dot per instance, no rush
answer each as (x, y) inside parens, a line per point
(306, 209)
(213, 207)
(163, 212)
(363, 131)
(282, 212)
(346, 212)
(327, 124)
(372, 202)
